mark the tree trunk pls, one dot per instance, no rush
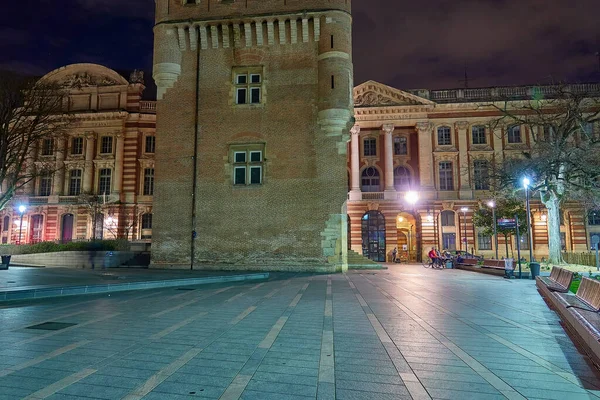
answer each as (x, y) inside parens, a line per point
(552, 203)
(506, 243)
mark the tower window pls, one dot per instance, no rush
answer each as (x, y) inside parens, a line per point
(248, 86)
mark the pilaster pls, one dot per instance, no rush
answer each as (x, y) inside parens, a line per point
(390, 190)
(426, 167)
(355, 193)
(88, 172)
(463, 160)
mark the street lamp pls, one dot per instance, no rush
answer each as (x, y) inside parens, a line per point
(22, 209)
(411, 197)
(464, 210)
(492, 205)
(526, 183)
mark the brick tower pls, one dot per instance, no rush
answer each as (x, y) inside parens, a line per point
(254, 109)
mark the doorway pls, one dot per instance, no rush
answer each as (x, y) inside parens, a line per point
(67, 228)
(373, 235)
(408, 237)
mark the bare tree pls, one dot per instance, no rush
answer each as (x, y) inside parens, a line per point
(94, 205)
(30, 111)
(563, 158)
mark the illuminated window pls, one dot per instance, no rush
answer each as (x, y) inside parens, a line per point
(402, 178)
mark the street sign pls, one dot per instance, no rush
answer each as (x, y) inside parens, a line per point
(509, 223)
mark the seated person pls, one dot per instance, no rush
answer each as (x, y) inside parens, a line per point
(434, 256)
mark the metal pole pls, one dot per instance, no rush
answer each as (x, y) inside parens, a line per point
(465, 223)
(518, 245)
(21, 228)
(529, 225)
(495, 231)
(597, 258)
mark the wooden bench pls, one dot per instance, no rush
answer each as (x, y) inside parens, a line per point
(468, 261)
(579, 314)
(560, 280)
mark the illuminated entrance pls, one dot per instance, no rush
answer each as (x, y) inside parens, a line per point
(409, 237)
(373, 235)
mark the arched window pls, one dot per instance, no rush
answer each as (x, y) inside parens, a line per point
(370, 180)
(444, 136)
(447, 218)
(402, 179)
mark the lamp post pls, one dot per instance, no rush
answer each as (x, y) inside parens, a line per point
(411, 198)
(492, 205)
(526, 183)
(22, 209)
(464, 210)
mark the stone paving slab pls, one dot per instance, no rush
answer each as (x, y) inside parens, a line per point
(403, 333)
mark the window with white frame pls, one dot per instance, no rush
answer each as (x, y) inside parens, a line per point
(484, 242)
(45, 185)
(481, 175)
(150, 144)
(148, 182)
(77, 146)
(75, 182)
(444, 136)
(478, 134)
(47, 147)
(104, 180)
(248, 165)
(514, 134)
(446, 175)
(400, 146)
(106, 145)
(370, 147)
(248, 85)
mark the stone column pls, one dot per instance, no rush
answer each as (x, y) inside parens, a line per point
(88, 173)
(464, 174)
(426, 167)
(390, 190)
(59, 173)
(355, 193)
(118, 186)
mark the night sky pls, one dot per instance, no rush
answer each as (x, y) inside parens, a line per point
(405, 44)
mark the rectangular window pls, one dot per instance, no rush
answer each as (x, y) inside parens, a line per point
(448, 218)
(75, 182)
(563, 241)
(444, 136)
(524, 241)
(147, 221)
(478, 133)
(148, 181)
(446, 176)
(150, 144)
(45, 185)
(248, 165)
(400, 146)
(449, 241)
(77, 146)
(106, 145)
(47, 147)
(481, 175)
(104, 181)
(594, 217)
(370, 147)
(248, 86)
(514, 134)
(484, 242)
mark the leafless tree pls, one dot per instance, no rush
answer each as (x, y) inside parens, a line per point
(30, 111)
(562, 159)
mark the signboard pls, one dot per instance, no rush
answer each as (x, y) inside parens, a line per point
(509, 223)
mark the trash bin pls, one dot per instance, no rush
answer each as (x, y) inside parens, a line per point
(5, 262)
(449, 264)
(534, 267)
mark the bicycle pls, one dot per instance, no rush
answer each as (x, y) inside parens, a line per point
(437, 264)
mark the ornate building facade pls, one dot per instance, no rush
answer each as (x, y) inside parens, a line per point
(104, 165)
(439, 147)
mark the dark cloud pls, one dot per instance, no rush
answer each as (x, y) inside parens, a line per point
(406, 44)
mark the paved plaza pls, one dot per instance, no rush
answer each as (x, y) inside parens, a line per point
(401, 333)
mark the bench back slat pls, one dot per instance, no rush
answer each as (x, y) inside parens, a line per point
(565, 278)
(589, 292)
(554, 273)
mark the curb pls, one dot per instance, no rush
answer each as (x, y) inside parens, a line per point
(58, 291)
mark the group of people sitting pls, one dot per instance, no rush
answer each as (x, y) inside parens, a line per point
(438, 258)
